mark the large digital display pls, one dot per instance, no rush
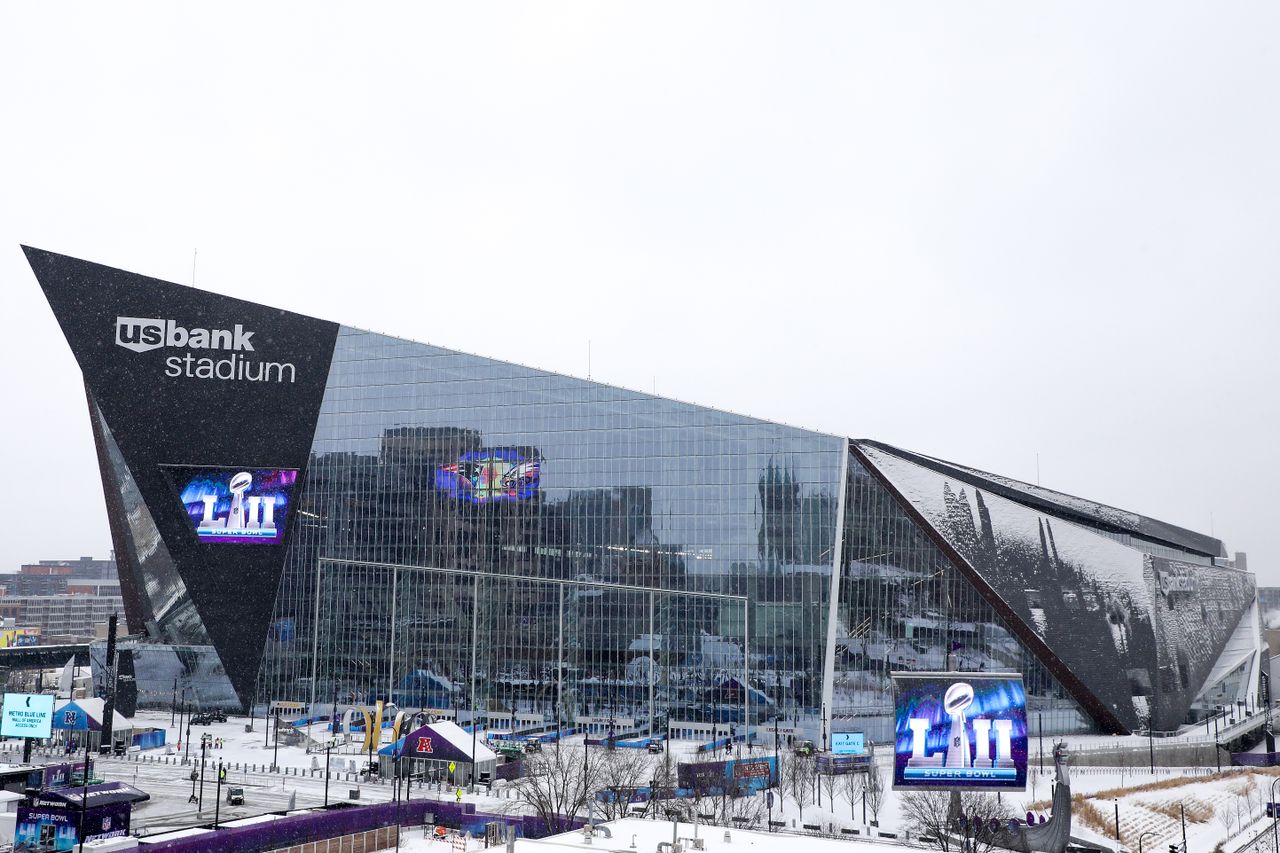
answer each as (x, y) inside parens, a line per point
(848, 743)
(236, 505)
(495, 474)
(960, 730)
(27, 715)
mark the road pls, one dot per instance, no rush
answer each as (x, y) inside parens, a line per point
(170, 786)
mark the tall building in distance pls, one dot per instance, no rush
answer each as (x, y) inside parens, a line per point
(58, 601)
(312, 512)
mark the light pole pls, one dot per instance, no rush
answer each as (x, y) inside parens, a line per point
(200, 803)
(1116, 802)
(1142, 836)
(1275, 834)
(217, 800)
(1151, 740)
(327, 748)
(275, 752)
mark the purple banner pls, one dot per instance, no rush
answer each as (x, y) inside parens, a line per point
(348, 820)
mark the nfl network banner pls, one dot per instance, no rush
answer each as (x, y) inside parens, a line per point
(960, 730)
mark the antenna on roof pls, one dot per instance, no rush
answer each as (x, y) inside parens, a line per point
(1037, 468)
(194, 252)
(588, 358)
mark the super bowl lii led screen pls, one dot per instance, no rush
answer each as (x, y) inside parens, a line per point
(960, 730)
(236, 505)
(495, 474)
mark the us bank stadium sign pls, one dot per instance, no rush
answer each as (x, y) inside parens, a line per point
(228, 351)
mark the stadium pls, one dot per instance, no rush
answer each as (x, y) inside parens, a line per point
(308, 512)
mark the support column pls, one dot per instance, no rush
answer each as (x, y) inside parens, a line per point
(391, 652)
(837, 553)
(475, 634)
(653, 665)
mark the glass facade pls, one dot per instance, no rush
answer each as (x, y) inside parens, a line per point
(904, 605)
(455, 532)
(610, 551)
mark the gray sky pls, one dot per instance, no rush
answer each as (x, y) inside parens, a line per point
(977, 230)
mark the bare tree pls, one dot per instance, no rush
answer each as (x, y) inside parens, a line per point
(875, 791)
(925, 813)
(828, 781)
(622, 772)
(1225, 817)
(785, 760)
(852, 784)
(799, 781)
(928, 813)
(556, 785)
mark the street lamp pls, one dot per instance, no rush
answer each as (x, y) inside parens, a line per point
(327, 747)
(217, 800)
(1142, 836)
(1275, 834)
(204, 743)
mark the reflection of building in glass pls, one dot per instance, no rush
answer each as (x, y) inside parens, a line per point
(469, 533)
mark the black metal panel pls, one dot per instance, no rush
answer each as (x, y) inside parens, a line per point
(183, 376)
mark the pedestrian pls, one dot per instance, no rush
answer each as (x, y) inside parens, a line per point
(459, 794)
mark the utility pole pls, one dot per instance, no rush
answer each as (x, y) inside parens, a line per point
(200, 802)
(327, 748)
(217, 800)
(275, 752)
(173, 713)
(84, 790)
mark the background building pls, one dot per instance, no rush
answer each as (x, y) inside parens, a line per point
(55, 601)
(313, 512)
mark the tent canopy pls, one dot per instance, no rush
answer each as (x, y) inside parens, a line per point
(105, 794)
(442, 741)
(81, 715)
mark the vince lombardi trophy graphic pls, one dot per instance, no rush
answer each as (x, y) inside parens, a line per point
(958, 697)
(240, 484)
(246, 517)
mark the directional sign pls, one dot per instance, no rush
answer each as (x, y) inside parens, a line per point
(27, 715)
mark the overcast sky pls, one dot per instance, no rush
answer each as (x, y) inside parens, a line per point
(983, 231)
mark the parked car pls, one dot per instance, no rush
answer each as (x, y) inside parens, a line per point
(201, 719)
(533, 745)
(654, 747)
(805, 749)
(509, 750)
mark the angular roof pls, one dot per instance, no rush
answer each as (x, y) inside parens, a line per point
(1081, 510)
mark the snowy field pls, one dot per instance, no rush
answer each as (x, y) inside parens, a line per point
(1227, 807)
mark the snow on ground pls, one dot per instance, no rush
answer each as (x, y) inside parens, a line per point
(1217, 806)
(646, 835)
